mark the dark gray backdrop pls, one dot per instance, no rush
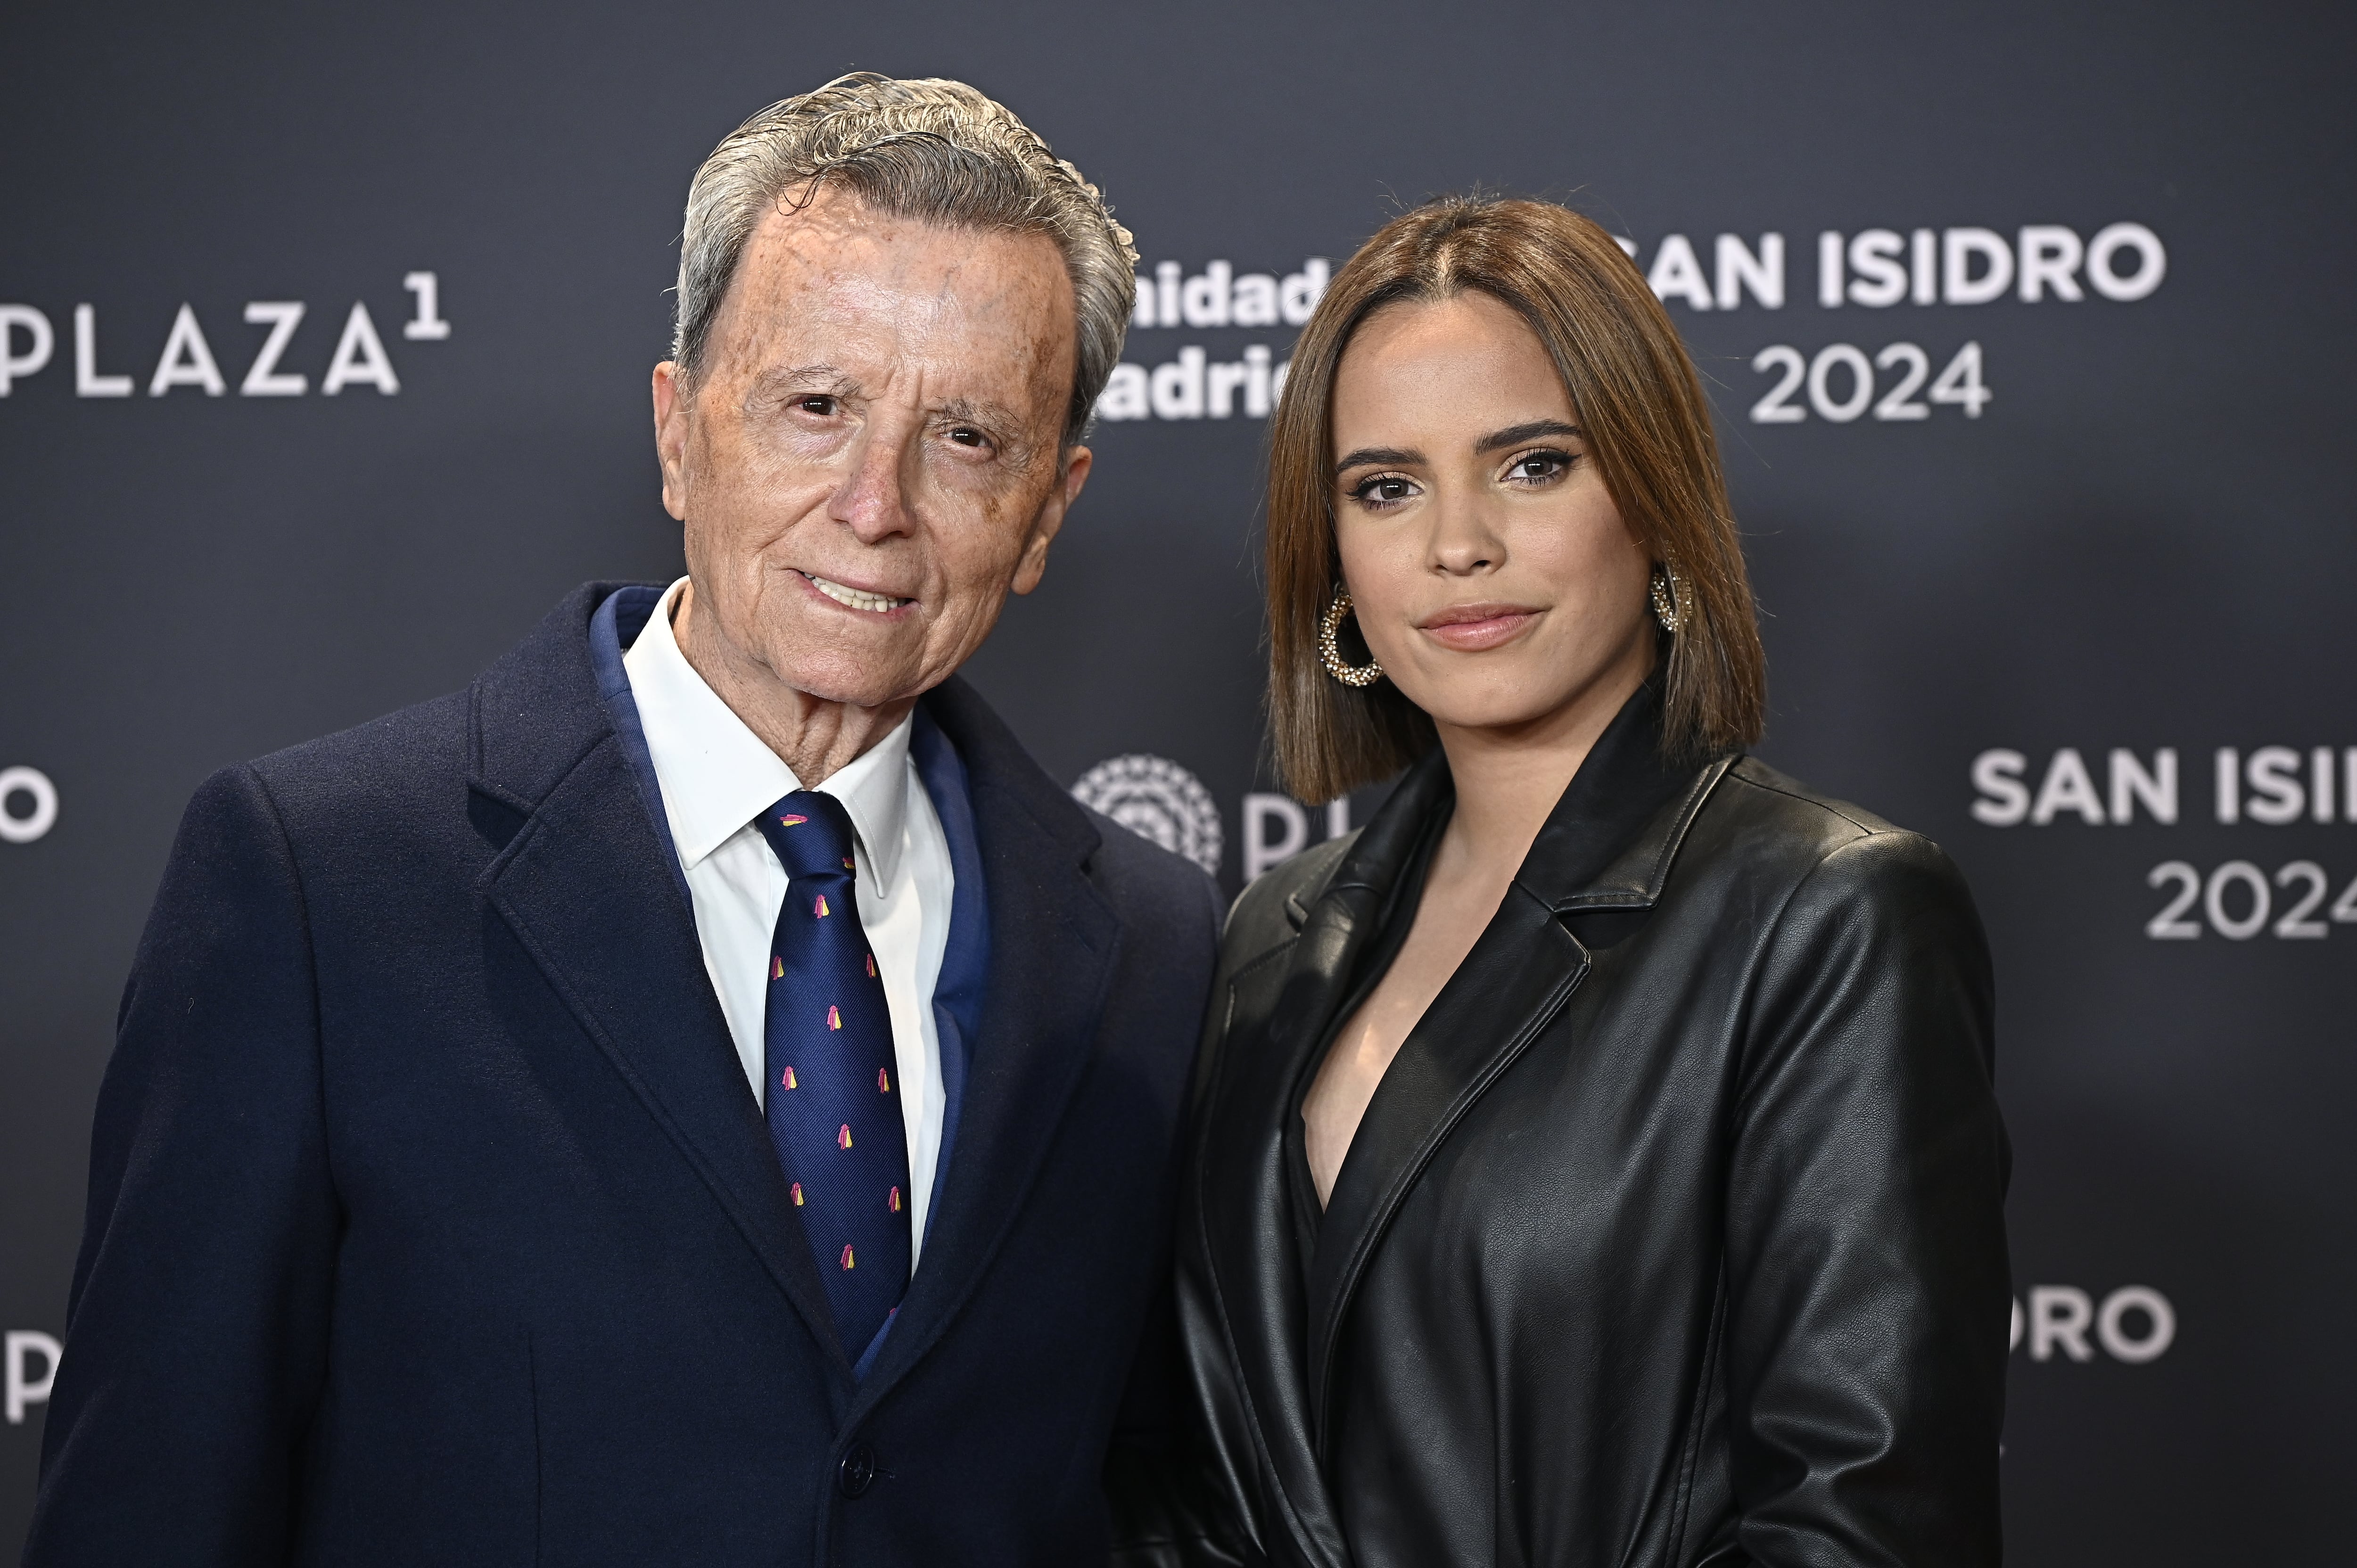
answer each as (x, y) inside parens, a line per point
(2141, 542)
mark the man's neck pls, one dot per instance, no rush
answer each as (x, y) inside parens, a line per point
(816, 737)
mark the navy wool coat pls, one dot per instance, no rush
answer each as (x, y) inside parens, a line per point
(432, 1219)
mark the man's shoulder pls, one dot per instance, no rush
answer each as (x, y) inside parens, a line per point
(427, 737)
(1144, 872)
(382, 779)
(513, 730)
(1146, 884)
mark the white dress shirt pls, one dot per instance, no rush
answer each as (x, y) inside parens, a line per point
(716, 776)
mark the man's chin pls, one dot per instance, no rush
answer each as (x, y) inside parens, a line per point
(859, 683)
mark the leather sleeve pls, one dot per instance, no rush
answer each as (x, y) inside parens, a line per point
(1867, 1283)
(1165, 1511)
(196, 1332)
(1167, 1508)
(1190, 1506)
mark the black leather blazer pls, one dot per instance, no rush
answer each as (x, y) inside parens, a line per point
(1674, 1234)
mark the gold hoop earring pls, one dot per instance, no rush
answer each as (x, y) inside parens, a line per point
(1666, 588)
(1330, 652)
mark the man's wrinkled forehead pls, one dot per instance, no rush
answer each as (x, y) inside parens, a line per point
(838, 281)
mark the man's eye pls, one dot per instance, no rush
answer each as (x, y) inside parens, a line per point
(818, 403)
(967, 435)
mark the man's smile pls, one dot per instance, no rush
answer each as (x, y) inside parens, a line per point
(856, 598)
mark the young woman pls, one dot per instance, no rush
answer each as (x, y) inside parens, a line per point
(1597, 1158)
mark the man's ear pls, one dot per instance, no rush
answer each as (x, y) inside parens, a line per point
(670, 435)
(1034, 565)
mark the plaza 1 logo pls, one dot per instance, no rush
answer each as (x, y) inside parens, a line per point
(2135, 1324)
(1159, 800)
(26, 1350)
(2274, 786)
(28, 804)
(28, 341)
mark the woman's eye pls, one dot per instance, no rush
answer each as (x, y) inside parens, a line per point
(1381, 490)
(1538, 465)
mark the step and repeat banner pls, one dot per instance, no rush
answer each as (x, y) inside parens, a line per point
(324, 349)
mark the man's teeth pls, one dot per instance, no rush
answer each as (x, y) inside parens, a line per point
(857, 598)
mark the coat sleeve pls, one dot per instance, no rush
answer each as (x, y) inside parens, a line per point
(197, 1328)
(1868, 1290)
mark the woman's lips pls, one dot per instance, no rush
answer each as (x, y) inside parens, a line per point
(1470, 628)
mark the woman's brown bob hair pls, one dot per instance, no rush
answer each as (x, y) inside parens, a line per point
(1647, 426)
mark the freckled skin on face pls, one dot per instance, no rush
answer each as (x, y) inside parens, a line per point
(1493, 577)
(879, 409)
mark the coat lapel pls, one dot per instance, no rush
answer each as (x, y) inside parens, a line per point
(1247, 1188)
(1516, 979)
(586, 887)
(1607, 845)
(1052, 948)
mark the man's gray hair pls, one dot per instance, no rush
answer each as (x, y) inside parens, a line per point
(935, 151)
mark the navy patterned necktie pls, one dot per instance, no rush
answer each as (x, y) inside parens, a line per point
(833, 1109)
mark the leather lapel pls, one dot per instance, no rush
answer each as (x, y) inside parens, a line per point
(1609, 843)
(1246, 1187)
(1248, 1203)
(1511, 986)
(1052, 949)
(1342, 918)
(585, 886)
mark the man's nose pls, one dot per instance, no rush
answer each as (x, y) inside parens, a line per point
(873, 498)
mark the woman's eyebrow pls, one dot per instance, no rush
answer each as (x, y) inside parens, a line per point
(1402, 456)
(1515, 435)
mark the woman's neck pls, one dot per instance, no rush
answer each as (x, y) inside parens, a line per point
(1509, 779)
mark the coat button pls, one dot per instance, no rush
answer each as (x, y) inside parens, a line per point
(857, 1472)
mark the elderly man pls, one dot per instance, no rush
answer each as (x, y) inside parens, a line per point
(700, 1095)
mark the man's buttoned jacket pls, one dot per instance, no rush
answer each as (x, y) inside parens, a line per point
(432, 1222)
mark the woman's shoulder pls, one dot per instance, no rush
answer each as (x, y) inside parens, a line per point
(1269, 913)
(1760, 788)
(1803, 835)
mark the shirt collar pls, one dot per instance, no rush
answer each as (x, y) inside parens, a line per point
(716, 775)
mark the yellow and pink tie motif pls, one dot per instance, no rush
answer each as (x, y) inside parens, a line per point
(798, 1195)
(833, 1018)
(843, 1139)
(846, 1254)
(896, 1200)
(793, 822)
(883, 1080)
(819, 908)
(788, 1082)
(777, 967)
(871, 966)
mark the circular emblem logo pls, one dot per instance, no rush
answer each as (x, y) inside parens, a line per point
(34, 788)
(1156, 799)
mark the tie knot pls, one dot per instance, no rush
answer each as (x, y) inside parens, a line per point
(811, 834)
